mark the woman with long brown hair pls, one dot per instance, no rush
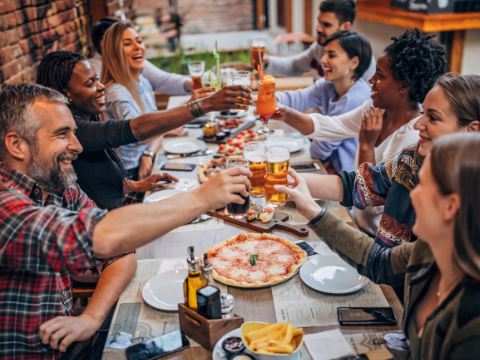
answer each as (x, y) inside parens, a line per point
(442, 270)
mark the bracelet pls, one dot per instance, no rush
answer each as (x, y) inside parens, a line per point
(318, 217)
(193, 109)
(199, 107)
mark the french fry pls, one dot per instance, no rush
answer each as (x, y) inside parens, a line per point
(297, 332)
(271, 336)
(262, 332)
(261, 346)
(284, 349)
(289, 335)
(294, 343)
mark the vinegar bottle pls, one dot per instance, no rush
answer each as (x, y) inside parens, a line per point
(194, 281)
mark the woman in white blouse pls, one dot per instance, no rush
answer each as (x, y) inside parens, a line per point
(405, 72)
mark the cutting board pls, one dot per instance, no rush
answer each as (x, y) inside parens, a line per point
(257, 225)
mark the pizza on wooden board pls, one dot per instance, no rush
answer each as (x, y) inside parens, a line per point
(206, 171)
(255, 260)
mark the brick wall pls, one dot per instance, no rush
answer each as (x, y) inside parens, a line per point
(206, 16)
(30, 29)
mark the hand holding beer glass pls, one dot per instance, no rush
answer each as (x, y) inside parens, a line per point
(238, 211)
(254, 152)
(196, 70)
(278, 160)
(242, 78)
(266, 105)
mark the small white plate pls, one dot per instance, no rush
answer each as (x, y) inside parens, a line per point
(218, 353)
(165, 290)
(330, 274)
(162, 195)
(184, 146)
(291, 143)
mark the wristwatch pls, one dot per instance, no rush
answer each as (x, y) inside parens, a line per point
(148, 153)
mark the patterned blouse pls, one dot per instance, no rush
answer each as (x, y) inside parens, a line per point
(387, 184)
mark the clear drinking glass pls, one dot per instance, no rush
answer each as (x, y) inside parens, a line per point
(278, 160)
(196, 70)
(254, 152)
(209, 78)
(266, 105)
(238, 211)
(242, 78)
(257, 42)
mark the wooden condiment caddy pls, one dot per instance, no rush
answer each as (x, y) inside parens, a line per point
(204, 331)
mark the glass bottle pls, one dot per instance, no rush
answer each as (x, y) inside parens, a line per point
(193, 282)
(207, 275)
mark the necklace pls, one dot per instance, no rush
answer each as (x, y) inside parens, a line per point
(449, 289)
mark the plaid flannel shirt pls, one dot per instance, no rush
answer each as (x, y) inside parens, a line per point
(41, 245)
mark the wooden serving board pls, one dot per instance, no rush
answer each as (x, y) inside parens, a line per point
(234, 133)
(257, 225)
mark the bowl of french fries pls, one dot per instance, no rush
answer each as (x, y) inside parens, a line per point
(272, 341)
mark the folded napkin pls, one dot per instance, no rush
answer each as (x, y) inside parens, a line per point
(327, 345)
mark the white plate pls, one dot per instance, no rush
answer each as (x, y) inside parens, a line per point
(165, 290)
(184, 146)
(332, 275)
(162, 195)
(291, 143)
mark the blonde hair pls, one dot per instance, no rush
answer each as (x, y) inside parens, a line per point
(115, 65)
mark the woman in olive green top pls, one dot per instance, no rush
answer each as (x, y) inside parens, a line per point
(441, 272)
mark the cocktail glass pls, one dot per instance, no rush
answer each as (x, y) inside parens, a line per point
(266, 106)
(210, 79)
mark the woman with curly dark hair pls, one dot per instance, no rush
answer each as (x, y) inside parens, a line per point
(406, 71)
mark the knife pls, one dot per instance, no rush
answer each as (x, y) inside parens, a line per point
(199, 219)
(198, 153)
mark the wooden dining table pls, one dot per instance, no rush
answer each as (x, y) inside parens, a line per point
(252, 304)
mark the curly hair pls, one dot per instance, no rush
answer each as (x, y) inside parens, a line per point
(55, 69)
(418, 61)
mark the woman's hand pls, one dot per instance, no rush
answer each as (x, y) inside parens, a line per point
(227, 98)
(299, 193)
(145, 167)
(202, 93)
(372, 122)
(281, 112)
(150, 183)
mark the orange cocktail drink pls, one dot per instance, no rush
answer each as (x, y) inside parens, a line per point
(266, 97)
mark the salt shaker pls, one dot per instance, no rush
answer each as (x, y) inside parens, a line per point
(227, 306)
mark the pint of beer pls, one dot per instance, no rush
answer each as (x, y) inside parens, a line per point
(241, 78)
(278, 160)
(254, 152)
(196, 70)
(257, 42)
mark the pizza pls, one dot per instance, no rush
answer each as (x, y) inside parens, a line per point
(255, 260)
(235, 144)
(206, 171)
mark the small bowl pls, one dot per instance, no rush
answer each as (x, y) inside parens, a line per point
(242, 356)
(231, 353)
(252, 326)
(220, 135)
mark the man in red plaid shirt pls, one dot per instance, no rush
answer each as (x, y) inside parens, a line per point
(50, 230)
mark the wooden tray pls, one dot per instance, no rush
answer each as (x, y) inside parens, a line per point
(257, 225)
(203, 331)
(242, 127)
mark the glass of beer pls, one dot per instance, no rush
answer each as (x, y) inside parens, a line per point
(266, 102)
(254, 152)
(278, 159)
(196, 69)
(242, 78)
(238, 211)
(257, 42)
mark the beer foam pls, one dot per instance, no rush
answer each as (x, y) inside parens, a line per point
(254, 156)
(277, 154)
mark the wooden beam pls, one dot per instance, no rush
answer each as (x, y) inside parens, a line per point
(260, 14)
(289, 15)
(99, 10)
(308, 16)
(456, 51)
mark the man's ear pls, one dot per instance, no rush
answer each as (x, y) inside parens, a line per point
(347, 25)
(405, 88)
(17, 146)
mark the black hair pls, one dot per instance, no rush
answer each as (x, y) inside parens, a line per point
(418, 61)
(55, 69)
(355, 44)
(345, 10)
(99, 29)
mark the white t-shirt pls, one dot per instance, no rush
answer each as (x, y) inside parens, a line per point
(348, 125)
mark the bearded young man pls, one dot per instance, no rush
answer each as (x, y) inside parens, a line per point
(50, 230)
(334, 15)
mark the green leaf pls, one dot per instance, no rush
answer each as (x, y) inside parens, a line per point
(253, 259)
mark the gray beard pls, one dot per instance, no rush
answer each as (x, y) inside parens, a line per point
(50, 179)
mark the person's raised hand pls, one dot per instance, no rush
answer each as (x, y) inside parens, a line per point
(372, 122)
(227, 99)
(281, 112)
(265, 59)
(299, 193)
(223, 188)
(151, 183)
(61, 331)
(202, 93)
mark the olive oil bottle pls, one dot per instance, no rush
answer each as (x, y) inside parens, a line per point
(194, 281)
